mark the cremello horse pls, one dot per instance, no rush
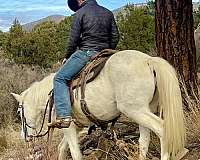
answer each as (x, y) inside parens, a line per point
(131, 83)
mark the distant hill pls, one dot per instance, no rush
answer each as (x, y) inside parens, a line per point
(196, 5)
(122, 9)
(56, 18)
(117, 11)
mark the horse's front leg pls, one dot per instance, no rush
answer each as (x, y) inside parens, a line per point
(70, 140)
(62, 148)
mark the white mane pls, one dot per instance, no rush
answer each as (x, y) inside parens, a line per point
(31, 95)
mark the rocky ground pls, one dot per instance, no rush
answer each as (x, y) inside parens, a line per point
(122, 144)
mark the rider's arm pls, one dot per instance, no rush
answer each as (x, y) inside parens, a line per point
(114, 34)
(75, 34)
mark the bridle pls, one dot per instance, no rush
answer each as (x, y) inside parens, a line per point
(25, 125)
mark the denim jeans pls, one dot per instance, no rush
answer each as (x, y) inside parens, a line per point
(67, 72)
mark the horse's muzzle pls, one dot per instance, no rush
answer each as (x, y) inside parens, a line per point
(29, 139)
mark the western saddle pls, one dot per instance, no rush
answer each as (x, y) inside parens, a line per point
(86, 75)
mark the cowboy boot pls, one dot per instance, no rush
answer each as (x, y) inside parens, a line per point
(61, 122)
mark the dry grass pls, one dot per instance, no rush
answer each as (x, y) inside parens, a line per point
(13, 78)
(192, 118)
(16, 78)
(38, 149)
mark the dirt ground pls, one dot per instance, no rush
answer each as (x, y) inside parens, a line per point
(122, 144)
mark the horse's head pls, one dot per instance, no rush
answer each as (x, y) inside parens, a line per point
(32, 103)
(29, 115)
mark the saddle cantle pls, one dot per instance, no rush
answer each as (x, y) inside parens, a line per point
(93, 68)
(86, 75)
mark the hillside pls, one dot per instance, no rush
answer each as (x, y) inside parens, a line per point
(196, 5)
(117, 11)
(56, 18)
(122, 9)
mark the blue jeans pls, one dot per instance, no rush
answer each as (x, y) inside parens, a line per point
(67, 72)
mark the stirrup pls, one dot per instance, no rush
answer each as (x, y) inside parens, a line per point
(61, 123)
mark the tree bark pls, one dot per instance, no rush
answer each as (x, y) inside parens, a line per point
(175, 37)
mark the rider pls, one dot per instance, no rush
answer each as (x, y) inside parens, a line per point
(93, 29)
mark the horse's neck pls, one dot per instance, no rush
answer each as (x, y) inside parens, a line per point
(39, 93)
(47, 87)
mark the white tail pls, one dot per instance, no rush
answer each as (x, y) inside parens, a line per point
(170, 102)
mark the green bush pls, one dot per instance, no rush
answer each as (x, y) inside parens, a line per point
(196, 18)
(137, 31)
(3, 38)
(44, 46)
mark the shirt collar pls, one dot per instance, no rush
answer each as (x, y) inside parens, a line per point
(89, 2)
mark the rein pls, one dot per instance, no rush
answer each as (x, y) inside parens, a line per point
(25, 125)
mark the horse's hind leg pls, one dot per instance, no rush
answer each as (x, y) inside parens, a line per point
(147, 119)
(144, 142)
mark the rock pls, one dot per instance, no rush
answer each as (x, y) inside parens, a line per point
(87, 151)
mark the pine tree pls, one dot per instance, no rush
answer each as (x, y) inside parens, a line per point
(175, 37)
(3, 38)
(13, 44)
(63, 30)
(136, 27)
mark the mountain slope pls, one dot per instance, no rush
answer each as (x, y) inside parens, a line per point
(56, 18)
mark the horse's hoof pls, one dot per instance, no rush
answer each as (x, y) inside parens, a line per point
(180, 155)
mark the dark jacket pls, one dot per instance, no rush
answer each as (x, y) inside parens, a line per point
(93, 28)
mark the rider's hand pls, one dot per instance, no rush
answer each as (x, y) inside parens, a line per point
(64, 60)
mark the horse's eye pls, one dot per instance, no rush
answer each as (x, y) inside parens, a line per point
(19, 111)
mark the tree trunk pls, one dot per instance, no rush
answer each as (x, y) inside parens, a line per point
(175, 37)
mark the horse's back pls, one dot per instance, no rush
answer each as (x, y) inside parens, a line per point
(131, 76)
(127, 78)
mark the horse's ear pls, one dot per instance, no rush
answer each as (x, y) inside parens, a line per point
(17, 97)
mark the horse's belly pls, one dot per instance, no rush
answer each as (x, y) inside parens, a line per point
(100, 98)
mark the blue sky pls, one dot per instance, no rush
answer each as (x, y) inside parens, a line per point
(30, 10)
